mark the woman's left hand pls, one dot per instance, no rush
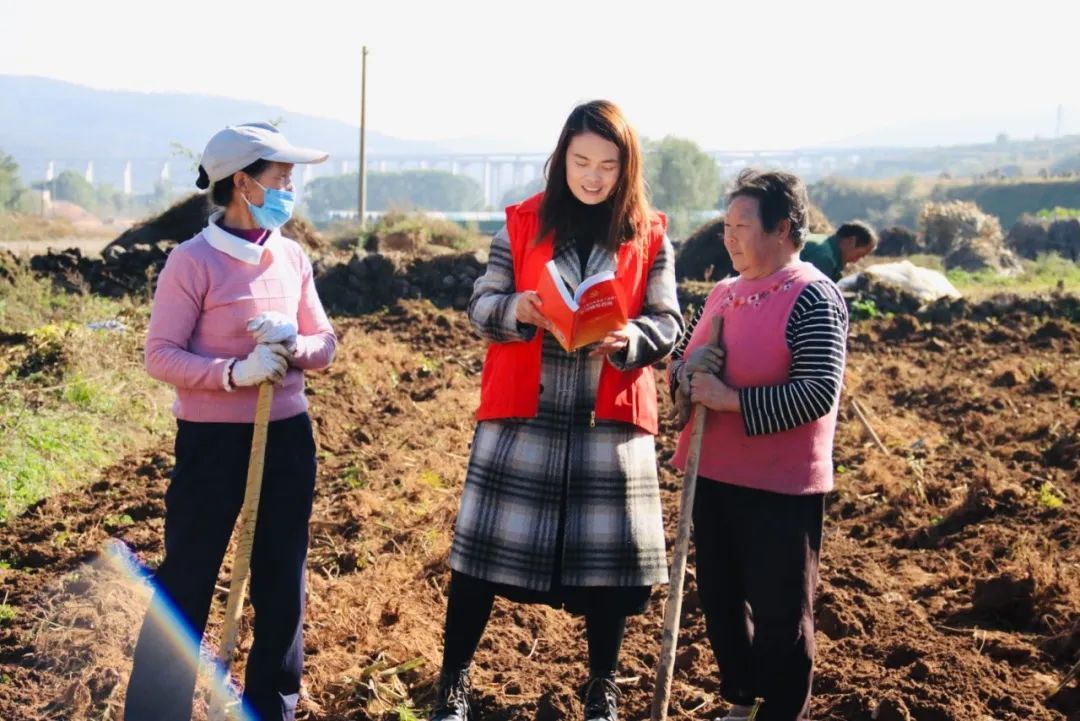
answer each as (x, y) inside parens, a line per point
(713, 393)
(273, 327)
(613, 342)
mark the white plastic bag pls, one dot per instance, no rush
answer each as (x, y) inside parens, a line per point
(925, 284)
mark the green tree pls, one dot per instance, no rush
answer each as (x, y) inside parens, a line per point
(10, 189)
(73, 188)
(424, 190)
(904, 206)
(680, 175)
(520, 192)
(323, 195)
(406, 190)
(844, 200)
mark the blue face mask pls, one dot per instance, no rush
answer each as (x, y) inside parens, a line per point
(276, 209)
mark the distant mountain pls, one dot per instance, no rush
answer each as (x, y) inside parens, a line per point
(970, 130)
(44, 120)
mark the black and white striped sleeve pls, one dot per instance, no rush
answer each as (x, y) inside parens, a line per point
(680, 350)
(684, 340)
(817, 336)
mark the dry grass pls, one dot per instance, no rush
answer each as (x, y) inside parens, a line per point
(31, 227)
(84, 636)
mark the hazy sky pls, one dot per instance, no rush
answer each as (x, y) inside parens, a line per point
(766, 74)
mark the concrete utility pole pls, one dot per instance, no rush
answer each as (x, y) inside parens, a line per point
(363, 154)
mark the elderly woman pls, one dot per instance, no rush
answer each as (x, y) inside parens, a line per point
(235, 307)
(771, 389)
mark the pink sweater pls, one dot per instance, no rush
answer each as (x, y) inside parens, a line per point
(739, 448)
(209, 288)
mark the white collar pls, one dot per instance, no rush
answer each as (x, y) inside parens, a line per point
(234, 246)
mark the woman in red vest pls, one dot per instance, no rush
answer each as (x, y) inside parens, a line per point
(561, 503)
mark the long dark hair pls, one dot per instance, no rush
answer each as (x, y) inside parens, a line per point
(629, 208)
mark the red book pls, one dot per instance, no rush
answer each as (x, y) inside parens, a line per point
(585, 316)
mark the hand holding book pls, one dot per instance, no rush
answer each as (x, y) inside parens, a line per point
(595, 313)
(613, 342)
(528, 310)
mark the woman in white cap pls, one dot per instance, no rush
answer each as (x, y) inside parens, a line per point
(235, 307)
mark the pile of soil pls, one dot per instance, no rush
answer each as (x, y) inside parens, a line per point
(1032, 237)
(120, 272)
(702, 255)
(185, 218)
(370, 281)
(898, 241)
(394, 265)
(950, 577)
(130, 264)
(416, 234)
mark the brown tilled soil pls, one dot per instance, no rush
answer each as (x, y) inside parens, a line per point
(950, 574)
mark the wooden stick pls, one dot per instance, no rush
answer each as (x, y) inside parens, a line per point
(673, 609)
(234, 607)
(665, 667)
(866, 424)
(1075, 670)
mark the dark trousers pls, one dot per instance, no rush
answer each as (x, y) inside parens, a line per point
(757, 568)
(201, 506)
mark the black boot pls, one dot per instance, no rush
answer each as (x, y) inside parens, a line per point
(452, 697)
(601, 698)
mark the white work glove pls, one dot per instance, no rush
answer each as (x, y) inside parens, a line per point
(265, 364)
(273, 327)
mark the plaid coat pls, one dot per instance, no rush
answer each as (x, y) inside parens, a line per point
(597, 478)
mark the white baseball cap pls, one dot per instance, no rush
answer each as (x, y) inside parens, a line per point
(238, 146)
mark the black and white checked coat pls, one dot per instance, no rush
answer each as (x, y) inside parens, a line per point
(508, 522)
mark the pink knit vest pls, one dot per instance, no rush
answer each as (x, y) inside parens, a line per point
(755, 313)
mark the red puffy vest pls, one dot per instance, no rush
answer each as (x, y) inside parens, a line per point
(510, 383)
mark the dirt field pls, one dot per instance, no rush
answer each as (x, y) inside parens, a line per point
(950, 573)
